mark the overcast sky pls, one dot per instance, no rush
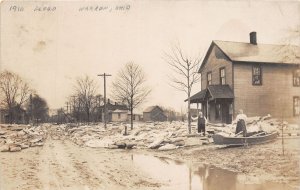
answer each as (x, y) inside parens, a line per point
(51, 49)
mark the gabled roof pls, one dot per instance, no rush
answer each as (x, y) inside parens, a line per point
(150, 108)
(112, 107)
(215, 91)
(261, 53)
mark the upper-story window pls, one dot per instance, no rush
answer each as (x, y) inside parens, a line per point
(296, 105)
(209, 76)
(296, 78)
(222, 76)
(256, 75)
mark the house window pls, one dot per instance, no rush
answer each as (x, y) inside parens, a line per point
(119, 115)
(222, 76)
(209, 78)
(256, 75)
(296, 78)
(296, 106)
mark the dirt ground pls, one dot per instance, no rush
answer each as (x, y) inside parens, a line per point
(259, 163)
(64, 165)
(61, 164)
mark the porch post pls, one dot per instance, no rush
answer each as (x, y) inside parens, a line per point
(197, 109)
(207, 109)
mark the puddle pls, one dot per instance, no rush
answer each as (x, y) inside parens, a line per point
(177, 175)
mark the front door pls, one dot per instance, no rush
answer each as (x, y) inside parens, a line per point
(225, 112)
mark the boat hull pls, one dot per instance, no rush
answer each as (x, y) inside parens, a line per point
(222, 140)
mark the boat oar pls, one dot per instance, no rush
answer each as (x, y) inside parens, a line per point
(257, 134)
(238, 133)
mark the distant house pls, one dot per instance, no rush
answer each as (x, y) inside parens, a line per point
(119, 115)
(154, 113)
(258, 78)
(3, 115)
(114, 111)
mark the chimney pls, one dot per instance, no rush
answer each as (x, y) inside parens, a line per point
(253, 38)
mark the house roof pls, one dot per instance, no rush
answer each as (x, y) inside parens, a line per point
(261, 53)
(150, 108)
(119, 111)
(266, 53)
(198, 96)
(220, 91)
(111, 107)
(216, 92)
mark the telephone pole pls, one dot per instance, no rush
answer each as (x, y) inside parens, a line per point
(104, 75)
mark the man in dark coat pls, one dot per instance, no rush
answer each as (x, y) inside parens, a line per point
(201, 123)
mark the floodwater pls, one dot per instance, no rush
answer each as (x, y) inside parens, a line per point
(178, 175)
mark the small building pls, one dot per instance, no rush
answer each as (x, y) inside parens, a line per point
(154, 113)
(260, 79)
(121, 111)
(119, 115)
(3, 115)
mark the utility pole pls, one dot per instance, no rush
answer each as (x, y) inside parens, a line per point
(31, 109)
(104, 75)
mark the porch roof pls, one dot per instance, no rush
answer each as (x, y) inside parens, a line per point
(220, 91)
(215, 91)
(198, 97)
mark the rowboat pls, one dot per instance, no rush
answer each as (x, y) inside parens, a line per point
(258, 138)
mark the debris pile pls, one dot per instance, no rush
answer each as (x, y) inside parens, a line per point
(157, 135)
(14, 138)
(254, 124)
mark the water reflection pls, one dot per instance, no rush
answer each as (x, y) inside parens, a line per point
(178, 175)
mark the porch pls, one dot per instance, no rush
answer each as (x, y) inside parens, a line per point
(216, 103)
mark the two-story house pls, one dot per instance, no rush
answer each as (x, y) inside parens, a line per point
(260, 79)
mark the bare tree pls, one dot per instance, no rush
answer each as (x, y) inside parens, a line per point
(85, 91)
(289, 51)
(14, 92)
(129, 87)
(185, 73)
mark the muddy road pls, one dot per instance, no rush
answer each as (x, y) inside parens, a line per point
(60, 164)
(63, 165)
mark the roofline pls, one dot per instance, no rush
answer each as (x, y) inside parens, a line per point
(274, 63)
(208, 53)
(258, 43)
(153, 109)
(214, 43)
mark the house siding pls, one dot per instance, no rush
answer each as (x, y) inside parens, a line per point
(274, 96)
(155, 115)
(115, 117)
(147, 116)
(216, 60)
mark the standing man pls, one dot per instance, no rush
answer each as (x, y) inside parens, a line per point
(201, 123)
